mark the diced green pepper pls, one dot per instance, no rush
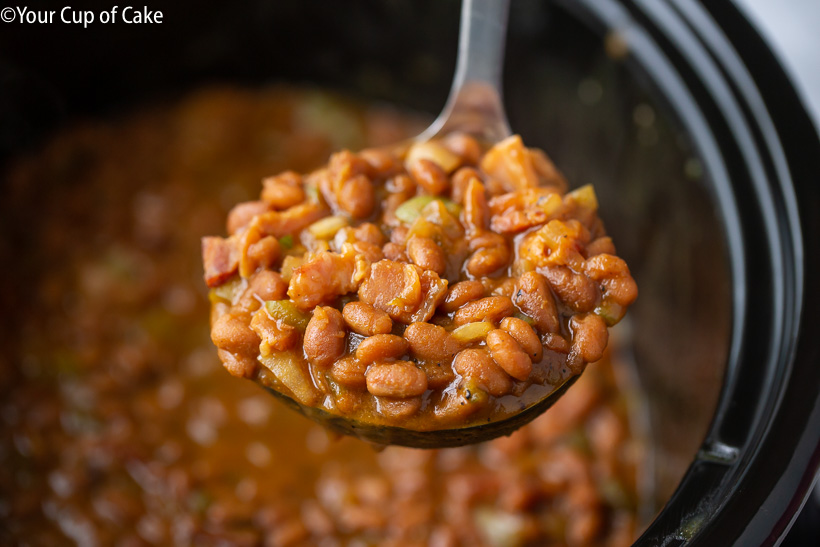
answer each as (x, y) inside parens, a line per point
(286, 241)
(230, 290)
(411, 209)
(287, 312)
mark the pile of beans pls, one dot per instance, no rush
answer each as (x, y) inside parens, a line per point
(435, 284)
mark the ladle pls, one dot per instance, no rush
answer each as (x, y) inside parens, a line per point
(475, 107)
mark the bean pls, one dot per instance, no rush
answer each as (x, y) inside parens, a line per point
(371, 253)
(401, 184)
(242, 213)
(533, 297)
(381, 347)
(460, 180)
(381, 162)
(349, 372)
(268, 285)
(325, 336)
(238, 364)
(491, 308)
(264, 253)
(397, 379)
(602, 245)
(429, 176)
(477, 364)
(525, 336)
(463, 145)
(370, 233)
(509, 355)
(366, 320)
(476, 211)
(589, 336)
(613, 273)
(398, 409)
(484, 262)
(461, 293)
(424, 252)
(431, 342)
(283, 191)
(438, 375)
(345, 165)
(556, 343)
(487, 240)
(232, 333)
(395, 252)
(357, 196)
(575, 290)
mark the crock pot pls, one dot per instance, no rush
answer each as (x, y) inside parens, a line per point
(676, 110)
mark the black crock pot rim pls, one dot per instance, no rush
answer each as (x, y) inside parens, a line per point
(761, 454)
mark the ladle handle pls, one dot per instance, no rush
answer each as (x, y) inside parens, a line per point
(475, 103)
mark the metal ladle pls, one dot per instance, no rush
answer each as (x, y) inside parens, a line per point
(475, 107)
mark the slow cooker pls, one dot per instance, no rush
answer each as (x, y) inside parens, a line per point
(678, 112)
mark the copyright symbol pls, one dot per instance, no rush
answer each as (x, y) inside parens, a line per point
(7, 15)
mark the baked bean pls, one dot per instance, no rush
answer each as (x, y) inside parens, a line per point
(264, 253)
(589, 336)
(525, 336)
(575, 290)
(232, 333)
(533, 297)
(429, 176)
(397, 408)
(399, 235)
(238, 364)
(389, 206)
(477, 364)
(242, 214)
(431, 342)
(508, 354)
(613, 273)
(325, 336)
(382, 163)
(371, 253)
(487, 240)
(491, 308)
(366, 320)
(425, 253)
(357, 196)
(345, 165)
(401, 184)
(349, 372)
(602, 245)
(461, 293)
(395, 252)
(476, 212)
(439, 375)
(555, 342)
(381, 347)
(283, 191)
(268, 285)
(484, 262)
(460, 180)
(463, 145)
(370, 233)
(398, 379)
